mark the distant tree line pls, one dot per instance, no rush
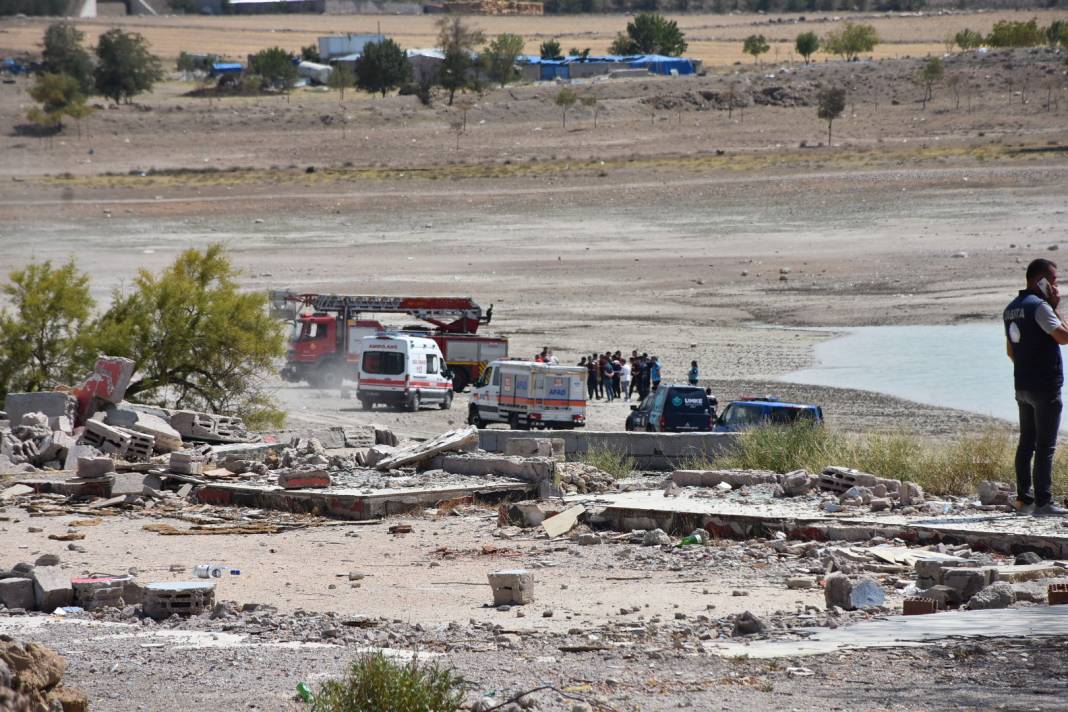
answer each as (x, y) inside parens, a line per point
(33, 7)
(1013, 33)
(563, 7)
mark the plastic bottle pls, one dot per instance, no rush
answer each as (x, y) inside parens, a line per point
(303, 692)
(214, 571)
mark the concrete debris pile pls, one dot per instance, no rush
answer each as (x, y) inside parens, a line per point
(52, 430)
(856, 488)
(31, 680)
(45, 586)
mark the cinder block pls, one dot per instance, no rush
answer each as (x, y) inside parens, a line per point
(966, 581)
(140, 445)
(186, 598)
(105, 438)
(17, 593)
(515, 587)
(51, 588)
(187, 463)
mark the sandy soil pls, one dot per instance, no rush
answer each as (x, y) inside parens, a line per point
(715, 39)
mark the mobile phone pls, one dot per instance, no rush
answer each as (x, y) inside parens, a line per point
(1043, 286)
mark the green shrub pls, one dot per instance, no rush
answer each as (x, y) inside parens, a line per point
(1010, 33)
(376, 684)
(610, 461)
(940, 467)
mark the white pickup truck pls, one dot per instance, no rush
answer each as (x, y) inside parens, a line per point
(528, 394)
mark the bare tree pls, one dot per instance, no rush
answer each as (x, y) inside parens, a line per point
(590, 102)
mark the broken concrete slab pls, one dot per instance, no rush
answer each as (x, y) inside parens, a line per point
(52, 404)
(52, 588)
(128, 483)
(711, 478)
(996, 595)
(15, 491)
(528, 469)
(304, 479)
(536, 447)
(563, 522)
(460, 439)
(1029, 572)
(908, 631)
(165, 438)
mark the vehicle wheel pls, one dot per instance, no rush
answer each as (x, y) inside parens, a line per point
(412, 404)
(473, 418)
(329, 378)
(447, 402)
(459, 381)
(367, 403)
(513, 422)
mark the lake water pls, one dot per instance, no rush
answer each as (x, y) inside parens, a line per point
(962, 366)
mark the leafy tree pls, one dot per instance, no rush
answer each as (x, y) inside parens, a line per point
(550, 49)
(1057, 33)
(457, 40)
(310, 54)
(650, 33)
(931, 73)
(830, 106)
(576, 52)
(968, 39)
(125, 67)
(565, 99)
(1009, 33)
(382, 66)
(43, 339)
(198, 340)
(275, 67)
(341, 78)
(500, 56)
(806, 44)
(63, 54)
(59, 95)
(850, 41)
(755, 45)
(590, 102)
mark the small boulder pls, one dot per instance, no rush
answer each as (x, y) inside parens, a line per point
(996, 595)
(796, 483)
(656, 537)
(748, 624)
(836, 590)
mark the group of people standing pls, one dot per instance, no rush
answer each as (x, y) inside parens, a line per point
(611, 376)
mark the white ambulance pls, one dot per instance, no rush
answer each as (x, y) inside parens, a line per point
(402, 370)
(528, 394)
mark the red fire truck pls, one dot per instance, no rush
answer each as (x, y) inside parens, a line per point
(328, 328)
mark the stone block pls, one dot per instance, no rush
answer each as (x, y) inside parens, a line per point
(911, 494)
(50, 403)
(128, 483)
(17, 593)
(77, 452)
(966, 581)
(928, 573)
(796, 483)
(943, 596)
(109, 380)
(51, 588)
(100, 592)
(512, 588)
(880, 504)
(90, 467)
(836, 591)
(533, 447)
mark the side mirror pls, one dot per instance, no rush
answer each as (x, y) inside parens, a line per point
(634, 407)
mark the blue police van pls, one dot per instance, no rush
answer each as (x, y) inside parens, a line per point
(752, 412)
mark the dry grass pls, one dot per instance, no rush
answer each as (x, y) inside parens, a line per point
(946, 467)
(715, 39)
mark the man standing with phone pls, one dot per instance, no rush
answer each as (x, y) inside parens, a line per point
(1034, 333)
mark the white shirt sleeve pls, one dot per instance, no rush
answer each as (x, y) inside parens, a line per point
(1046, 318)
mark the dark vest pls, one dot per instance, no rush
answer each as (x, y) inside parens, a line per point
(1036, 357)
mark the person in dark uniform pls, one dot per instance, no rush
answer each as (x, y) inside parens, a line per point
(1034, 334)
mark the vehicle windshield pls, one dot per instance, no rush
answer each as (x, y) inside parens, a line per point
(386, 363)
(688, 399)
(743, 415)
(309, 331)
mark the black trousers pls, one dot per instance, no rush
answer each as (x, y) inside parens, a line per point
(1040, 419)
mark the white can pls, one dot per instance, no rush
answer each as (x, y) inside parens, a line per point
(209, 571)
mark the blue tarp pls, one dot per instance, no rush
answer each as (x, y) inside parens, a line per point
(225, 68)
(656, 63)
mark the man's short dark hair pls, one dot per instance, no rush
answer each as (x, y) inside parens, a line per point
(1039, 268)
